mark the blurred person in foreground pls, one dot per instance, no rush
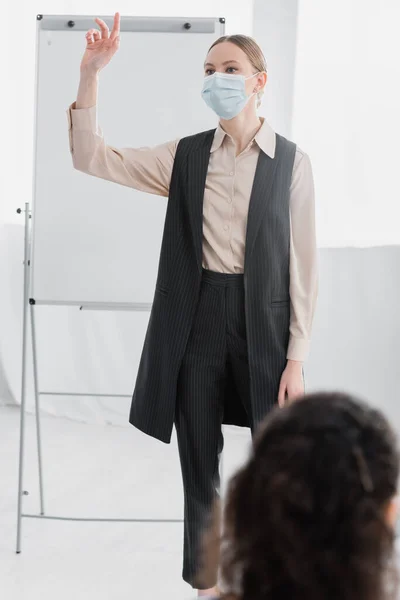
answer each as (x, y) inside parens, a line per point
(311, 515)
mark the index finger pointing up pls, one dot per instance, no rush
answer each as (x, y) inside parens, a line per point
(115, 29)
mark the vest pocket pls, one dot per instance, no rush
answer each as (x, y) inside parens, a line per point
(162, 289)
(280, 302)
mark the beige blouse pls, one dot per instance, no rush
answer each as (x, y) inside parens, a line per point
(226, 202)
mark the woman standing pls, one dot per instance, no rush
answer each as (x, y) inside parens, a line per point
(231, 319)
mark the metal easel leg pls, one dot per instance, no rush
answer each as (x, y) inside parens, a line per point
(37, 408)
(21, 492)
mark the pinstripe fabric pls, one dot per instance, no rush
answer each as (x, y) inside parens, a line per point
(216, 351)
(266, 287)
(266, 276)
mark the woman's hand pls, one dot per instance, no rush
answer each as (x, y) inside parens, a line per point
(100, 46)
(292, 384)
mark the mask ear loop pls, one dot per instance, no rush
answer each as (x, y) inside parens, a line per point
(250, 77)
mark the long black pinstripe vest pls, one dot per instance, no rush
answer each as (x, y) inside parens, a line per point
(266, 281)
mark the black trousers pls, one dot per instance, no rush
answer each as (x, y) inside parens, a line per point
(216, 350)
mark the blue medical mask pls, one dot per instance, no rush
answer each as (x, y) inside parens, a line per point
(226, 94)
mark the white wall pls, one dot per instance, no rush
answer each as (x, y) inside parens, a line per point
(357, 326)
(346, 116)
(275, 24)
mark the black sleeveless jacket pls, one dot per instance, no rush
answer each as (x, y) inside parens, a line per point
(266, 280)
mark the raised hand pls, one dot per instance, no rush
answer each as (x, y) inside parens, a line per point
(101, 45)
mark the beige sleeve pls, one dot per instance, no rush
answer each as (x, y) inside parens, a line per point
(303, 258)
(145, 169)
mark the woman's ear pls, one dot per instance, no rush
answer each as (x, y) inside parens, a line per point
(260, 86)
(261, 81)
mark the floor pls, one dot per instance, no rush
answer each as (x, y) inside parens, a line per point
(94, 471)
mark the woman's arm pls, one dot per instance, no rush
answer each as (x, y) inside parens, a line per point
(146, 169)
(87, 90)
(303, 258)
(303, 277)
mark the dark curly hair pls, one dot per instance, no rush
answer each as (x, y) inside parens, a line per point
(305, 517)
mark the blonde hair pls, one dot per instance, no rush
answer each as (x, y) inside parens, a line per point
(251, 49)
